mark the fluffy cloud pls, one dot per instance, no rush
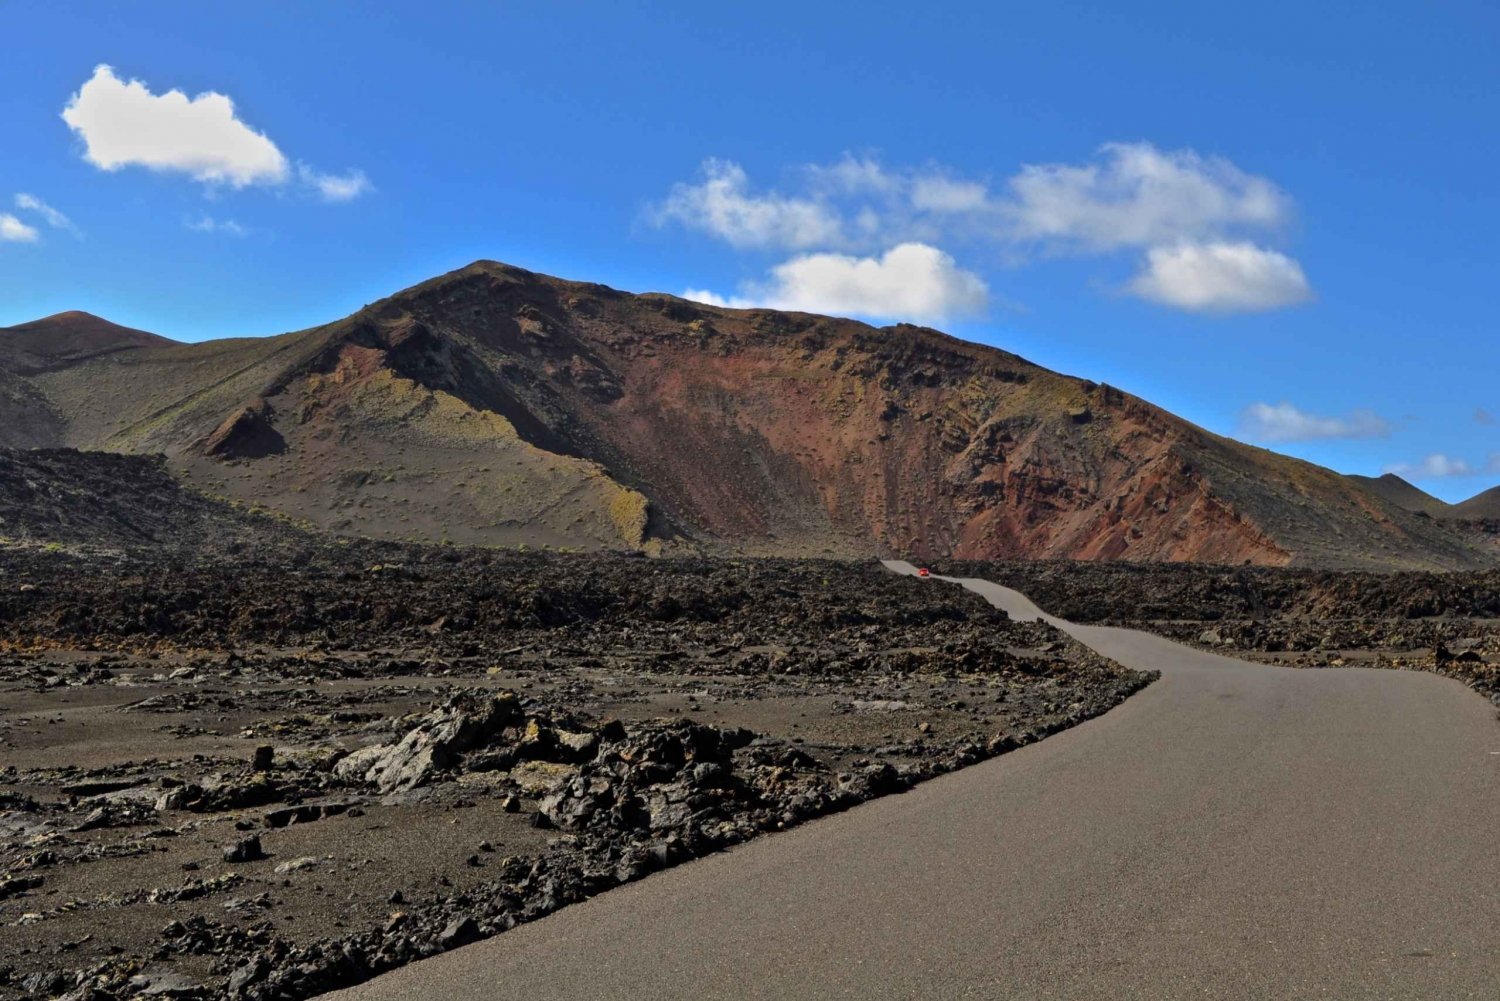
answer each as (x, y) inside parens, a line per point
(1283, 422)
(911, 281)
(723, 206)
(1220, 278)
(123, 124)
(1136, 195)
(1434, 466)
(336, 187)
(54, 218)
(208, 224)
(1195, 219)
(13, 230)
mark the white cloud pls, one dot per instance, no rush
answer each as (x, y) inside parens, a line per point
(13, 230)
(723, 206)
(123, 124)
(1434, 466)
(1131, 195)
(208, 224)
(936, 193)
(852, 175)
(911, 281)
(1199, 221)
(335, 187)
(55, 219)
(1221, 278)
(1282, 422)
(1139, 196)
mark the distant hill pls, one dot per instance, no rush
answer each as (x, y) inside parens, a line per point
(1403, 494)
(27, 416)
(66, 339)
(1480, 507)
(1484, 505)
(493, 405)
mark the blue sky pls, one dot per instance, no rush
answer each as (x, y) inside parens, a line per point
(1275, 221)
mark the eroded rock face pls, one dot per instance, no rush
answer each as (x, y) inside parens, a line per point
(434, 744)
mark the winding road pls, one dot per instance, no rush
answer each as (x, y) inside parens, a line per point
(1233, 831)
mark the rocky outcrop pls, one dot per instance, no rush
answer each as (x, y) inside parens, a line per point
(248, 433)
(434, 744)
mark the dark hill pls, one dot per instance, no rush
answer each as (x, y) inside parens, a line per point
(1403, 494)
(65, 339)
(1481, 506)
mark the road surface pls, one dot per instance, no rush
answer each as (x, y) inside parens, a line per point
(1233, 831)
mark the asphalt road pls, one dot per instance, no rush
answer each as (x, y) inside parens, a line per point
(1233, 831)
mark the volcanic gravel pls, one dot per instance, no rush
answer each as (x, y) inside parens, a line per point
(231, 777)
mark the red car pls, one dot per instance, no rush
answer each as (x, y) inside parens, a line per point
(924, 572)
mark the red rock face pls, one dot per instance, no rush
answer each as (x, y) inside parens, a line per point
(791, 432)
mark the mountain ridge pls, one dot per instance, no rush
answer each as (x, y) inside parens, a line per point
(499, 406)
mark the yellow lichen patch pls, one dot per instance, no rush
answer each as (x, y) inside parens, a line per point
(630, 511)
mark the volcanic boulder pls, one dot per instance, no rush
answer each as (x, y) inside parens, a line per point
(466, 721)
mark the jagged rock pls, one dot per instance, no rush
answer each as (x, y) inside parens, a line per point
(459, 931)
(17, 885)
(433, 745)
(166, 984)
(250, 973)
(244, 850)
(305, 813)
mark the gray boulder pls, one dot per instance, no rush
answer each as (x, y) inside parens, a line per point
(466, 721)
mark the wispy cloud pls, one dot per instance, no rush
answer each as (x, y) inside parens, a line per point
(53, 218)
(1435, 466)
(1196, 221)
(1284, 422)
(722, 204)
(208, 224)
(13, 230)
(343, 187)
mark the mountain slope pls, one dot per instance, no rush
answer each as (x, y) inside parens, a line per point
(495, 405)
(1484, 505)
(1403, 494)
(115, 502)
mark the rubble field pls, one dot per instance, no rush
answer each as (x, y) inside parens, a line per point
(231, 777)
